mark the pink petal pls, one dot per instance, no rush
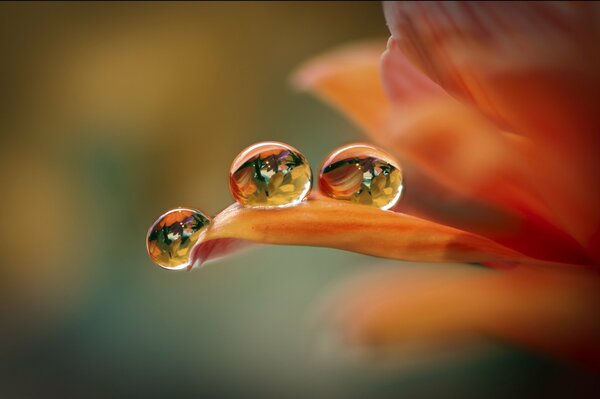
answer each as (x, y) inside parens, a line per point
(531, 67)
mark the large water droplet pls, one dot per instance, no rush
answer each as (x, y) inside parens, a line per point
(270, 174)
(171, 238)
(363, 174)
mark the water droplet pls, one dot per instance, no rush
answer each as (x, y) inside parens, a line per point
(362, 174)
(270, 174)
(171, 238)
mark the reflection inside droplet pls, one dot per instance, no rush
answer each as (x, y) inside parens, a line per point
(270, 174)
(362, 174)
(171, 238)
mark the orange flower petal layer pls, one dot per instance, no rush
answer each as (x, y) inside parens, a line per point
(337, 224)
(551, 310)
(424, 125)
(452, 144)
(357, 91)
(533, 67)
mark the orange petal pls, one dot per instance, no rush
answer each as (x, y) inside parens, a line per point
(429, 129)
(532, 67)
(356, 88)
(551, 310)
(337, 224)
(425, 125)
(528, 234)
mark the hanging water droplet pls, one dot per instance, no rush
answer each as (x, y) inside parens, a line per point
(171, 238)
(362, 174)
(270, 174)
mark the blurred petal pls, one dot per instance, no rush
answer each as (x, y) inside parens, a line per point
(403, 82)
(527, 234)
(553, 311)
(349, 78)
(356, 89)
(532, 67)
(451, 143)
(336, 224)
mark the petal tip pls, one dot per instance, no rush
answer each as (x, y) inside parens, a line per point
(316, 69)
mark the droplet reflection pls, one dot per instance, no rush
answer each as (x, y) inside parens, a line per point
(171, 238)
(270, 174)
(362, 174)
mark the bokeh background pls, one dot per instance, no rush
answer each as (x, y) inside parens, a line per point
(111, 114)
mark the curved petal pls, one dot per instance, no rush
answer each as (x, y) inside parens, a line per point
(336, 224)
(552, 311)
(423, 124)
(357, 89)
(532, 67)
(452, 144)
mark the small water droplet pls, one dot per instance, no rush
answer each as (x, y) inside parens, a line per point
(363, 174)
(270, 174)
(173, 235)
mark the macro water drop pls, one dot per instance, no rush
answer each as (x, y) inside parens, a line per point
(172, 236)
(270, 174)
(362, 174)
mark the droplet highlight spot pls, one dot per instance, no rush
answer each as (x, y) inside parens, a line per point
(362, 174)
(171, 238)
(270, 174)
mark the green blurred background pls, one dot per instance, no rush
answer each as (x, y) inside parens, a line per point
(111, 114)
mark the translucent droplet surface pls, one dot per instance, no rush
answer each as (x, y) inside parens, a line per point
(363, 174)
(171, 238)
(270, 174)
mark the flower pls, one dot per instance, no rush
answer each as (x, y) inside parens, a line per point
(492, 109)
